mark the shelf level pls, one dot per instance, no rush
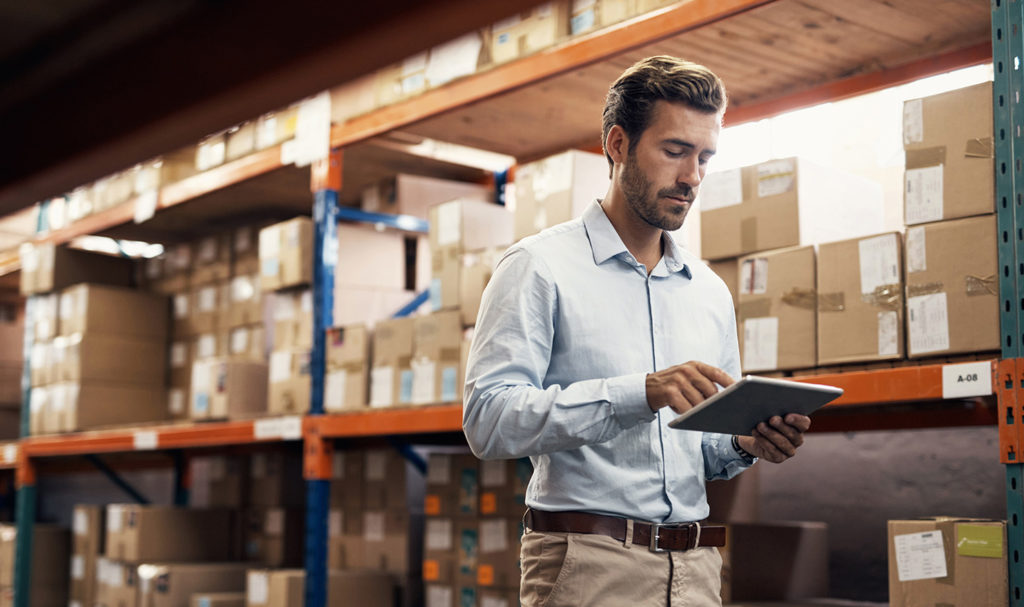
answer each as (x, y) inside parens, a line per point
(384, 422)
(881, 386)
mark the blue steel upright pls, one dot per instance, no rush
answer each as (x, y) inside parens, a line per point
(325, 255)
(1008, 120)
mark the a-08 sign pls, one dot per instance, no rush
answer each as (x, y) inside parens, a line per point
(964, 380)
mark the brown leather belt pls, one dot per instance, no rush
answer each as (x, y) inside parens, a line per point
(657, 537)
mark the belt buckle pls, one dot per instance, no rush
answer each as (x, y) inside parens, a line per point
(655, 535)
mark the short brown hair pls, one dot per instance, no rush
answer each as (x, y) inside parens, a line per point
(632, 97)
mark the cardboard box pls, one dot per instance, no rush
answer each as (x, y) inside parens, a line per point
(210, 345)
(385, 252)
(43, 316)
(87, 405)
(384, 480)
(241, 141)
(218, 599)
(39, 405)
(211, 151)
(293, 320)
(503, 487)
(154, 534)
(415, 194)
(211, 259)
(456, 227)
(947, 561)
(457, 58)
(275, 537)
(348, 368)
(90, 308)
(286, 254)
(43, 369)
(729, 271)
(245, 253)
(949, 155)
(46, 267)
(860, 300)
(498, 561)
(177, 403)
(354, 98)
(391, 377)
(228, 389)
(777, 311)
(374, 588)
(276, 127)
(346, 551)
(453, 485)
(245, 302)
(269, 588)
(390, 542)
(585, 16)
(179, 361)
(475, 272)
(556, 189)
(207, 307)
(247, 343)
(367, 305)
(401, 80)
(436, 356)
(172, 585)
(529, 32)
(440, 539)
(796, 568)
(86, 546)
(952, 287)
(49, 567)
(347, 478)
(182, 325)
(229, 481)
(290, 383)
(117, 584)
(737, 500)
(785, 203)
(276, 480)
(100, 357)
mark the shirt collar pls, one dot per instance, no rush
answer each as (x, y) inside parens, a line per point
(605, 243)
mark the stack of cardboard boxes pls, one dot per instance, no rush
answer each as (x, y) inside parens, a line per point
(474, 523)
(87, 546)
(48, 579)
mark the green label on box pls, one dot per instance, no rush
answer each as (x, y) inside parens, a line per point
(979, 540)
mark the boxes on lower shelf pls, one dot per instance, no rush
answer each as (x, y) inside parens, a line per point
(290, 381)
(286, 588)
(48, 582)
(274, 536)
(160, 534)
(172, 585)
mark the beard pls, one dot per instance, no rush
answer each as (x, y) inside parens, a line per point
(636, 189)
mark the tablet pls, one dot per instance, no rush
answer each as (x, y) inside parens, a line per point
(739, 408)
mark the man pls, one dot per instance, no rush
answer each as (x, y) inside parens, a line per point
(592, 336)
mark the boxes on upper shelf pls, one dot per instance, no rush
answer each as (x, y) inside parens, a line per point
(783, 203)
(777, 310)
(245, 253)
(952, 288)
(437, 354)
(456, 227)
(860, 300)
(154, 534)
(415, 194)
(206, 310)
(172, 585)
(76, 406)
(369, 258)
(968, 558)
(247, 343)
(102, 357)
(276, 127)
(391, 378)
(46, 267)
(290, 381)
(240, 141)
(529, 32)
(244, 302)
(949, 155)
(557, 189)
(228, 389)
(91, 308)
(348, 368)
(286, 254)
(293, 320)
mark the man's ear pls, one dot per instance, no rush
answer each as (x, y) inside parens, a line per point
(617, 144)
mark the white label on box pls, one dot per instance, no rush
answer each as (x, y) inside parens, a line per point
(10, 454)
(242, 289)
(289, 151)
(270, 242)
(888, 332)
(439, 596)
(274, 523)
(424, 372)
(200, 376)
(967, 379)
(917, 251)
(923, 195)
(492, 473)
(373, 526)
(145, 206)
(280, 366)
(180, 305)
(206, 347)
(179, 354)
(78, 567)
(493, 535)
(775, 177)
(879, 262)
(376, 465)
(920, 556)
(334, 390)
(334, 523)
(145, 440)
(115, 576)
(913, 121)
(449, 223)
(439, 469)
(928, 323)
(81, 523)
(382, 385)
(207, 299)
(256, 588)
(115, 514)
(439, 534)
(760, 343)
(721, 189)
(754, 277)
(240, 340)
(338, 466)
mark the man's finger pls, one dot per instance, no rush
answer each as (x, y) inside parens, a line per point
(695, 378)
(778, 440)
(768, 448)
(792, 433)
(715, 374)
(800, 422)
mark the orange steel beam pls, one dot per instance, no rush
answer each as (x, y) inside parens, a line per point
(862, 84)
(565, 57)
(1007, 382)
(325, 174)
(214, 179)
(415, 420)
(881, 386)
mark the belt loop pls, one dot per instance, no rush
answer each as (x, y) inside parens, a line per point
(527, 520)
(696, 541)
(629, 534)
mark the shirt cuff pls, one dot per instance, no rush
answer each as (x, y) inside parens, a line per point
(629, 399)
(741, 455)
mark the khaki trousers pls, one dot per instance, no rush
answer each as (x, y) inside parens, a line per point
(585, 570)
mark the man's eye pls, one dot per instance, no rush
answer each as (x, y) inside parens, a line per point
(672, 154)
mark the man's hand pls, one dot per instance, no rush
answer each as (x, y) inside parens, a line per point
(777, 440)
(684, 386)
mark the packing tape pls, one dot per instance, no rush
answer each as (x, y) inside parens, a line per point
(928, 288)
(748, 234)
(831, 302)
(887, 297)
(982, 147)
(927, 157)
(981, 285)
(754, 308)
(806, 299)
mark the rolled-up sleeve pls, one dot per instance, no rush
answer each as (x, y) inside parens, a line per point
(508, 412)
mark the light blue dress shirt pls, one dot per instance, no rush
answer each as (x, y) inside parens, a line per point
(569, 326)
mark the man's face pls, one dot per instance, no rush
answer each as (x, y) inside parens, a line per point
(661, 175)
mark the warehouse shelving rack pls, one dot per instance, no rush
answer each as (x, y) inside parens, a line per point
(578, 70)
